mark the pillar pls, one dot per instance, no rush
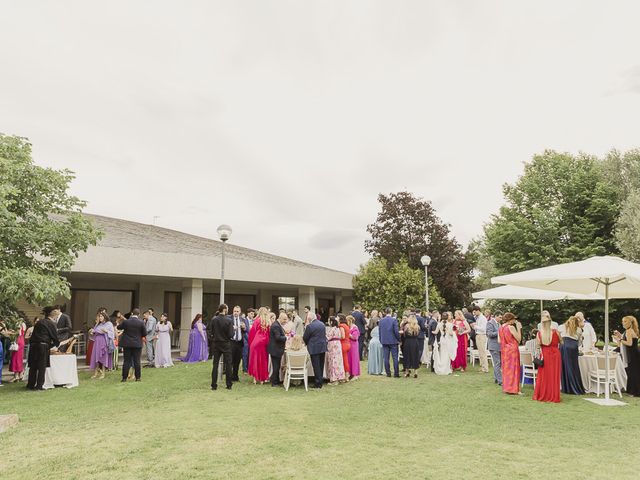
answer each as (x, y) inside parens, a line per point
(191, 306)
(306, 297)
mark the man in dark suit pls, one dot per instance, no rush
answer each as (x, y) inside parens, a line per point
(133, 331)
(390, 338)
(362, 328)
(423, 324)
(222, 331)
(43, 338)
(277, 340)
(315, 338)
(432, 325)
(63, 324)
(237, 341)
(208, 323)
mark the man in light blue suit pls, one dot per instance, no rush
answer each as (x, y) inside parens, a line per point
(390, 338)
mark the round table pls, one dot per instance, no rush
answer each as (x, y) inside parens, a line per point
(63, 371)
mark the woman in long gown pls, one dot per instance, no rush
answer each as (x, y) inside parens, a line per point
(345, 342)
(411, 352)
(258, 343)
(374, 358)
(462, 329)
(163, 343)
(198, 350)
(445, 351)
(629, 342)
(548, 381)
(354, 355)
(102, 354)
(571, 379)
(334, 367)
(17, 356)
(510, 335)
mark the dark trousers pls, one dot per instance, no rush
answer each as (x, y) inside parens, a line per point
(361, 345)
(393, 350)
(210, 341)
(431, 356)
(38, 359)
(276, 362)
(317, 362)
(236, 356)
(245, 356)
(222, 350)
(131, 359)
(421, 342)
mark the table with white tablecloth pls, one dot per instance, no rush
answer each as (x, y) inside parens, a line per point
(589, 363)
(63, 371)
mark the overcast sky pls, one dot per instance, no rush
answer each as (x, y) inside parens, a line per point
(285, 119)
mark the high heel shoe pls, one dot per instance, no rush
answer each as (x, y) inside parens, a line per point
(102, 370)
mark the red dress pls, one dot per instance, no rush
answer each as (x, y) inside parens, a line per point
(17, 357)
(463, 343)
(510, 354)
(548, 381)
(345, 343)
(258, 356)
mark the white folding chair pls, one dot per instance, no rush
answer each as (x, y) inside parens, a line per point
(473, 355)
(296, 369)
(528, 368)
(599, 375)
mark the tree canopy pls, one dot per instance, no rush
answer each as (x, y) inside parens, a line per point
(406, 228)
(42, 227)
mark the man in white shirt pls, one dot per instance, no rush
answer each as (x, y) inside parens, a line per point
(480, 326)
(589, 337)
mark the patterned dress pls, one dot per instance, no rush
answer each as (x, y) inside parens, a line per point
(334, 366)
(510, 356)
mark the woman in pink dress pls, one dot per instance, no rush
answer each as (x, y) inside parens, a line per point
(258, 343)
(17, 356)
(354, 356)
(462, 329)
(510, 335)
(334, 367)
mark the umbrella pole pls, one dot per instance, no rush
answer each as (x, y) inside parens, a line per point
(606, 339)
(541, 308)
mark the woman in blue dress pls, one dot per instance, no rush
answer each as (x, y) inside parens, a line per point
(375, 366)
(570, 379)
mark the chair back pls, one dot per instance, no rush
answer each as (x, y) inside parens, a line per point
(526, 358)
(602, 362)
(297, 360)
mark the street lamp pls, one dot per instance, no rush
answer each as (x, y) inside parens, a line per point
(426, 260)
(224, 232)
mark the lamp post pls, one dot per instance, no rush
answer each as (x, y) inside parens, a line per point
(426, 260)
(224, 232)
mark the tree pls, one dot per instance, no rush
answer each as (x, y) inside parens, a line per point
(42, 228)
(407, 227)
(378, 285)
(628, 226)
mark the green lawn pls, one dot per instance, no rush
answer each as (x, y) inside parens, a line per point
(171, 425)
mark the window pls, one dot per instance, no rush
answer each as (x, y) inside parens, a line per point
(286, 303)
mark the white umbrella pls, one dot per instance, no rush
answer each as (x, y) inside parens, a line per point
(611, 276)
(513, 292)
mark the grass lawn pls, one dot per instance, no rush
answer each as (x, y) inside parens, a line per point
(171, 425)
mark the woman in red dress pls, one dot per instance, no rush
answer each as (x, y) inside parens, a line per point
(548, 381)
(258, 343)
(462, 329)
(345, 342)
(510, 335)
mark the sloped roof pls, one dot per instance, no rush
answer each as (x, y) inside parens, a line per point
(139, 236)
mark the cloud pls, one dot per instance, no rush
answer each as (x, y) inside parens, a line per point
(329, 239)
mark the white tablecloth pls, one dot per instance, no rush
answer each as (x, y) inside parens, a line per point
(589, 363)
(63, 371)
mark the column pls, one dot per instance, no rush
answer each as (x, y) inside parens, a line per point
(191, 306)
(306, 297)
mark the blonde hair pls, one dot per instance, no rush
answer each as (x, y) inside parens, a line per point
(571, 325)
(633, 324)
(545, 328)
(350, 320)
(283, 316)
(296, 343)
(263, 316)
(458, 315)
(412, 327)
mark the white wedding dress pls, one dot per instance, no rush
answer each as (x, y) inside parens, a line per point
(445, 352)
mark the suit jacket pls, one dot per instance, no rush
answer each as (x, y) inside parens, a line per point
(45, 332)
(133, 332)
(315, 337)
(422, 323)
(431, 326)
(492, 335)
(389, 333)
(359, 317)
(222, 329)
(151, 327)
(277, 340)
(64, 327)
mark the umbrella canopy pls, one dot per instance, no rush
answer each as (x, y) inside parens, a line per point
(611, 276)
(512, 292)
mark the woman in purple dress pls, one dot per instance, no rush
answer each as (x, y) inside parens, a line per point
(354, 355)
(198, 346)
(103, 346)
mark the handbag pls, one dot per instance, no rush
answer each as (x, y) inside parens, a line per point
(13, 347)
(538, 362)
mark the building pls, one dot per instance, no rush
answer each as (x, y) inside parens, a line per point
(174, 272)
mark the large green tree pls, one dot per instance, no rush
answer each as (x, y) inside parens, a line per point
(42, 228)
(406, 228)
(379, 285)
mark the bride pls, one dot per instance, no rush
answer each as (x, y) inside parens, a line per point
(445, 350)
